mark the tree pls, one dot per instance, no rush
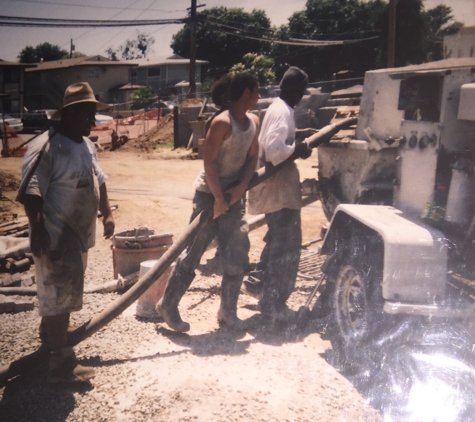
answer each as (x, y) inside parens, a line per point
(221, 37)
(75, 55)
(332, 20)
(257, 64)
(142, 97)
(439, 22)
(134, 48)
(45, 51)
(419, 35)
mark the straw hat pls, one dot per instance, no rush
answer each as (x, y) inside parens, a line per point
(78, 93)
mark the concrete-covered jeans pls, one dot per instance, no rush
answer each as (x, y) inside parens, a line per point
(231, 230)
(280, 258)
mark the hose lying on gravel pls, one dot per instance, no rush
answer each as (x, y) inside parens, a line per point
(30, 361)
(116, 285)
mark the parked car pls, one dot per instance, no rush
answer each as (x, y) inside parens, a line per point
(166, 106)
(102, 119)
(38, 120)
(13, 123)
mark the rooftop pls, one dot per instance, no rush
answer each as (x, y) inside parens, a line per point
(174, 59)
(97, 60)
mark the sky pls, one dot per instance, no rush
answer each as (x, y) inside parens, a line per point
(96, 40)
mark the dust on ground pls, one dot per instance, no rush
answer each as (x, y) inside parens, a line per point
(162, 133)
(190, 102)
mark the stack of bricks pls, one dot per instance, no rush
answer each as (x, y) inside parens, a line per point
(15, 304)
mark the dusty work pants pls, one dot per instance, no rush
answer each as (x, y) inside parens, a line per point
(280, 258)
(232, 232)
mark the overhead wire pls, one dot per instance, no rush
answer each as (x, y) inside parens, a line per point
(92, 6)
(306, 43)
(78, 23)
(227, 21)
(140, 14)
(113, 16)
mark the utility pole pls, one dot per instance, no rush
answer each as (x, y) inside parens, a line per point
(392, 34)
(193, 49)
(71, 49)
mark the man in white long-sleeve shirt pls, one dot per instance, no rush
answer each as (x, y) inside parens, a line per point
(279, 198)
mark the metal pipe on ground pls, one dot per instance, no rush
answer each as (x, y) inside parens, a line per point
(29, 362)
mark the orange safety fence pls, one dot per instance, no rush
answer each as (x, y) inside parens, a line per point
(16, 146)
(148, 115)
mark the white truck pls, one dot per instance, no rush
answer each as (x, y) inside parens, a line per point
(400, 194)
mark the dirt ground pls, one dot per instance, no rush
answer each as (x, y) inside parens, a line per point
(145, 371)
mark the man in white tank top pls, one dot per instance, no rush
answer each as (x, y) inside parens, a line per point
(230, 159)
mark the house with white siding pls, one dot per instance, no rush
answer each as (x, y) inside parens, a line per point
(162, 74)
(461, 44)
(46, 82)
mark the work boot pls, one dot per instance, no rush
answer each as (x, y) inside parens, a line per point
(44, 335)
(64, 369)
(42, 332)
(167, 306)
(279, 312)
(230, 287)
(253, 287)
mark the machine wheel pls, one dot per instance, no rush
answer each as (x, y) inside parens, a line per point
(357, 317)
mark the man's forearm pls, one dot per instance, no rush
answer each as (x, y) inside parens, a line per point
(34, 210)
(39, 237)
(250, 168)
(104, 205)
(212, 180)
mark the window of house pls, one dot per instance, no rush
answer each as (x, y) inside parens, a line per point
(93, 72)
(133, 73)
(12, 74)
(153, 71)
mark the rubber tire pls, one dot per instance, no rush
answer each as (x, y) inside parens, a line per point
(358, 318)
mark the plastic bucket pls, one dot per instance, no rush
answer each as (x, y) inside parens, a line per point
(146, 303)
(131, 248)
(141, 238)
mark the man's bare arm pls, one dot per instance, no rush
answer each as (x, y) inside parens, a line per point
(249, 167)
(105, 209)
(40, 239)
(213, 144)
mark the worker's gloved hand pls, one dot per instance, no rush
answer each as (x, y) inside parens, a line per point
(302, 150)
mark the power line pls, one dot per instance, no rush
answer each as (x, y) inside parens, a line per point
(270, 30)
(138, 16)
(297, 42)
(78, 23)
(113, 16)
(97, 7)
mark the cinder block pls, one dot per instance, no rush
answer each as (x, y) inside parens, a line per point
(23, 307)
(7, 307)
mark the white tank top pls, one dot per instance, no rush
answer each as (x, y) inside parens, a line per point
(232, 157)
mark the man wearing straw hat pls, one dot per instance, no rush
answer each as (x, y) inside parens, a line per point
(62, 189)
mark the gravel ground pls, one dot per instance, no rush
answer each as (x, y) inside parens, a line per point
(273, 372)
(145, 372)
